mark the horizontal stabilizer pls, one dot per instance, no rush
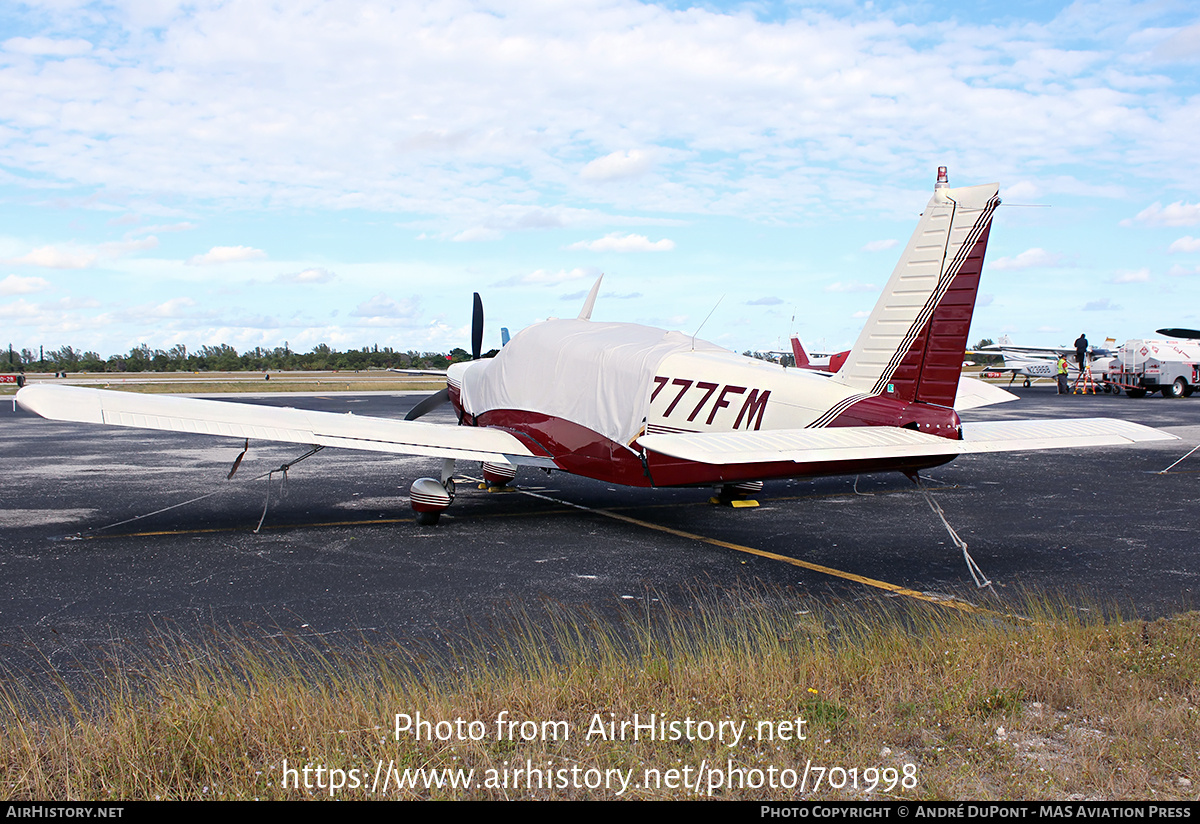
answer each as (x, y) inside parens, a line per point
(885, 442)
(974, 393)
(271, 423)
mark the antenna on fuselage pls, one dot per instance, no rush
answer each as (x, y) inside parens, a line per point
(586, 312)
(706, 317)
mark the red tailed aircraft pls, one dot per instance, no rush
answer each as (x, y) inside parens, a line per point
(634, 405)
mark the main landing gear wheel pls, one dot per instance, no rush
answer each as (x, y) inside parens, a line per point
(497, 475)
(1026, 383)
(735, 495)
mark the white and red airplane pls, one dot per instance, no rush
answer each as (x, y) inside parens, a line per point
(634, 405)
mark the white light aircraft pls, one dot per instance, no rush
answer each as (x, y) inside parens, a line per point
(629, 404)
(1033, 362)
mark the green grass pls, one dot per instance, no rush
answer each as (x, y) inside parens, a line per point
(970, 706)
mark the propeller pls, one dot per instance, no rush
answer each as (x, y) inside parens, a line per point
(428, 404)
(477, 328)
(443, 396)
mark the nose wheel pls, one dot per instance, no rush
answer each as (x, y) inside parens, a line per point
(430, 497)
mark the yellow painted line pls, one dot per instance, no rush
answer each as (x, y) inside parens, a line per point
(837, 573)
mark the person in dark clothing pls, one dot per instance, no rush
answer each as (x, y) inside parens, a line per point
(1081, 347)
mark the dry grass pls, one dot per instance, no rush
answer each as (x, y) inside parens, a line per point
(234, 382)
(322, 385)
(1064, 707)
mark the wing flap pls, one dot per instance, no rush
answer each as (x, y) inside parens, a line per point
(268, 423)
(799, 445)
(882, 442)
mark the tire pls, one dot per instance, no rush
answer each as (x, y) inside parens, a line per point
(1026, 384)
(1187, 393)
(1136, 393)
(428, 518)
(1178, 388)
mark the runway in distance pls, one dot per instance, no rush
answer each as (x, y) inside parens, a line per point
(630, 404)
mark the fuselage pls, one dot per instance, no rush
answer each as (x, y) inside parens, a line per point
(586, 392)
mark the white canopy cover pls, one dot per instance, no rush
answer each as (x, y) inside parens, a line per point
(591, 373)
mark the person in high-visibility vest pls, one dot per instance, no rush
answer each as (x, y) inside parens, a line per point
(1063, 387)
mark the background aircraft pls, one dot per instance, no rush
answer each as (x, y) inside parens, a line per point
(1033, 362)
(640, 406)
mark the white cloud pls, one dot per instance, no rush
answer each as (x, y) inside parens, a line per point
(45, 46)
(1021, 190)
(881, 245)
(179, 308)
(1183, 45)
(724, 108)
(315, 274)
(617, 165)
(1176, 214)
(1187, 243)
(476, 234)
(14, 285)
(50, 257)
(838, 286)
(123, 247)
(769, 301)
(1029, 259)
(226, 254)
(541, 277)
(183, 226)
(1100, 305)
(616, 242)
(383, 307)
(1138, 276)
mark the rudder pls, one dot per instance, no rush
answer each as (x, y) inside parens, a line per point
(913, 344)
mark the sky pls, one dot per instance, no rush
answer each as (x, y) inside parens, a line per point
(348, 173)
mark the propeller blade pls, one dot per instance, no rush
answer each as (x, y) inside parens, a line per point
(1179, 333)
(477, 328)
(428, 404)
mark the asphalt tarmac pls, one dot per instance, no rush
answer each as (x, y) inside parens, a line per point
(339, 557)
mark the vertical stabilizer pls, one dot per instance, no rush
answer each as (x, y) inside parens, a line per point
(799, 354)
(913, 344)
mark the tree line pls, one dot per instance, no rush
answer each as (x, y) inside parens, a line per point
(224, 358)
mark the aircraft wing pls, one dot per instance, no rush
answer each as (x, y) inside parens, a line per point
(880, 442)
(269, 423)
(1039, 351)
